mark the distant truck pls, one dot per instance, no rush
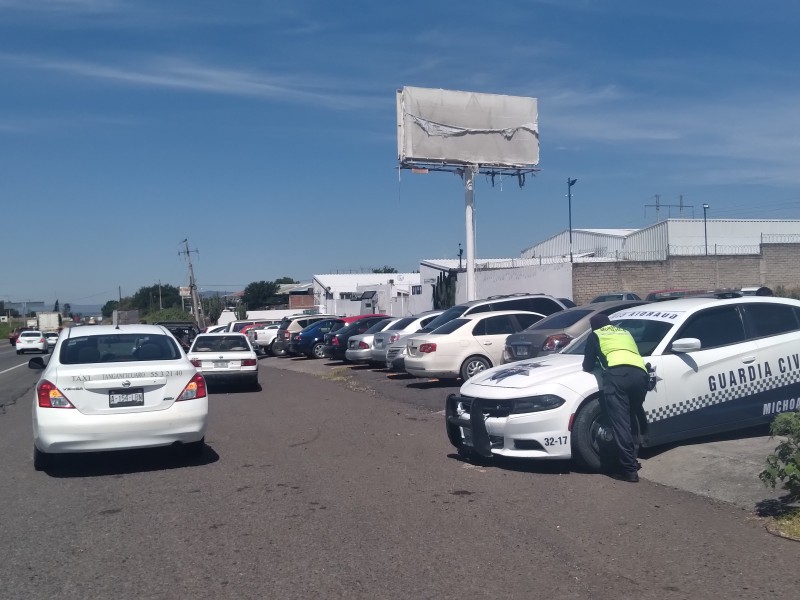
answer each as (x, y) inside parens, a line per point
(48, 321)
(125, 317)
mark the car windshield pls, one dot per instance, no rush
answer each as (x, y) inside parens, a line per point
(401, 324)
(447, 316)
(220, 343)
(118, 347)
(451, 326)
(377, 326)
(647, 333)
(561, 320)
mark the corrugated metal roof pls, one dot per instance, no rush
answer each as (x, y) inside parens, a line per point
(352, 280)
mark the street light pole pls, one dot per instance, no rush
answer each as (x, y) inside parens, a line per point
(705, 226)
(570, 183)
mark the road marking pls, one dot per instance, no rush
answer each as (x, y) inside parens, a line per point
(12, 368)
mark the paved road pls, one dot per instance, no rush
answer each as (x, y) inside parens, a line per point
(331, 487)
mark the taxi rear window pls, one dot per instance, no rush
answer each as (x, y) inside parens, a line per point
(124, 347)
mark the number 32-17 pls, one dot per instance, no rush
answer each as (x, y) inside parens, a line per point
(555, 441)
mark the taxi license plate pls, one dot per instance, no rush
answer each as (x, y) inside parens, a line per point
(220, 364)
(121, 398)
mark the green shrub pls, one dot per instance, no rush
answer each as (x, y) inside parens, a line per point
(784, 465)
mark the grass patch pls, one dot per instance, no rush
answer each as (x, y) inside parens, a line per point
(338, 374)
(787, 525)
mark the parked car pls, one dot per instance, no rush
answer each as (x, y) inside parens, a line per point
(261, 336)
(215, 328)
(615, 296)
(32, 341)
(117, 388)
(225, 357)
(311, 340)
(359, 347)
(671, 294)
(335, 343)
(52, 338)
(538, 303)
(237, 326)
(718, 365)
(394, 336)
(556, 331)
(466, 345)
(288, 327)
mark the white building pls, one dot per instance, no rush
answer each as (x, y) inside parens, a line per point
(396, 294)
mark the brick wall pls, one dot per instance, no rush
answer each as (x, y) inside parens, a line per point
(777, 265)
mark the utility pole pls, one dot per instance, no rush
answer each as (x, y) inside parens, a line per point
(197, 307)
(160, 304)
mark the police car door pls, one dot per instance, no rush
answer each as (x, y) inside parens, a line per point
(776, 329)
(706, 387)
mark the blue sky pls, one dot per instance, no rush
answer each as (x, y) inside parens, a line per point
(264, 132)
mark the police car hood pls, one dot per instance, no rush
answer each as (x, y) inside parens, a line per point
(563, 369)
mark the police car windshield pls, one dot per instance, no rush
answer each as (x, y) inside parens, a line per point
(647, 333)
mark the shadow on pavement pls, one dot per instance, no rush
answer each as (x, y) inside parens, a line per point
(125, 462)
(741, 434)
(549, 467)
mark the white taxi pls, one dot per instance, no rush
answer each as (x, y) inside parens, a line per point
(466, 345)
(32, 341)
(226, 358)
(719, 365)
(117, 388)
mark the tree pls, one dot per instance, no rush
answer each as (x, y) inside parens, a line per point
(283, 280)
(108, 308)
(55, 307)
(260, 294)
(213, 308)
(67, 309)
(444, 292)
(784, 465)
(154, 297)
(385, 269)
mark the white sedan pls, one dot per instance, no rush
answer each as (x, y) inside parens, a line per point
(225, 357)
(117, 388)
(52, 338)
(466, 345)
(32, 341)
(718, 365)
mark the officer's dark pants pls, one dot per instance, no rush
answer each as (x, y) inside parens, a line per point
(624, 390)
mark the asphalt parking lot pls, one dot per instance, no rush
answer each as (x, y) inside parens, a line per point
(723, 468)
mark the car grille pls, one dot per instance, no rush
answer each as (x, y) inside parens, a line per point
(494, 408)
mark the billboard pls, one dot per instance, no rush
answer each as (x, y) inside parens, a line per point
(448, 127)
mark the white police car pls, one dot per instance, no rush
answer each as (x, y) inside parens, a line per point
(720, 365)
(117, 388)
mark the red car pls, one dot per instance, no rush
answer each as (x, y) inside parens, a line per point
(12, 337)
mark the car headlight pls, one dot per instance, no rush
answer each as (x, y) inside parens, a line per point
(536, 404)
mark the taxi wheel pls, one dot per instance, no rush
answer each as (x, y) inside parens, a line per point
(41, 460)
(318, 350)
(474, 365)
(592, 440)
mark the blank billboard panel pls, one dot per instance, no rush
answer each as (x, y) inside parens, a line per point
(452, 127)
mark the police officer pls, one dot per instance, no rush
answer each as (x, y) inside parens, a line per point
(624, 387)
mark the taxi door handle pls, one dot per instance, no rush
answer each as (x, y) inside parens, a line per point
(748, 359)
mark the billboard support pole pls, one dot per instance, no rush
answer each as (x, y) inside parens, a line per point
(469, 202)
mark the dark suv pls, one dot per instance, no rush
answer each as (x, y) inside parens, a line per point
(288, 327)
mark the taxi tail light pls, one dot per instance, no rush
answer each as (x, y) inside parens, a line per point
(50, 396)
(249, 362)
(197, 362)
(363, 345)
(427, 348)
(196, 388)
(556, 342)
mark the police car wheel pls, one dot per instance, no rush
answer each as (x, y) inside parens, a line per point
(592, 441)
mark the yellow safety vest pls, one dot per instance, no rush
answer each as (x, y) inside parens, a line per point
(618, 347)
